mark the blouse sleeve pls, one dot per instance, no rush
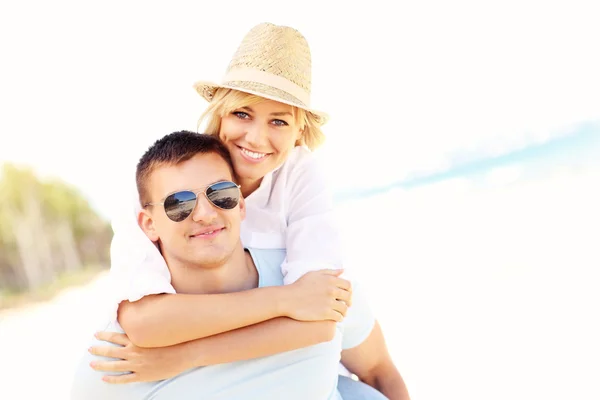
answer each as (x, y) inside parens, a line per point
(312, 237)
(137, 267)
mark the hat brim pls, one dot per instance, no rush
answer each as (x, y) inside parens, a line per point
(207, 90)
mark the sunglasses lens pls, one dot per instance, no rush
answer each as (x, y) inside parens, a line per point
(180, 205)
(225, 195)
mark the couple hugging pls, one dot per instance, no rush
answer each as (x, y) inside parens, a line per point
(227, 275)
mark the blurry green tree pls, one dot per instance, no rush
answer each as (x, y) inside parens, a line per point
(47, 228)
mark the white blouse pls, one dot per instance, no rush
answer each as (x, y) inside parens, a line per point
(292, 209)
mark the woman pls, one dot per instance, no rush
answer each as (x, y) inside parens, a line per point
(262, 112)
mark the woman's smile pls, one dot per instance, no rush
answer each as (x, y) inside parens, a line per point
(252, 156)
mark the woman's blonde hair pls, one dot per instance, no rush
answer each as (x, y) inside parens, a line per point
(226, 101)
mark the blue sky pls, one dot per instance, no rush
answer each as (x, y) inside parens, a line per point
(580, 146)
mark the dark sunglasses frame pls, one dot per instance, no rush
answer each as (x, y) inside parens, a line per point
(182, 215)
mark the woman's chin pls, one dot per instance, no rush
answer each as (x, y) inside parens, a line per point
(251, 172)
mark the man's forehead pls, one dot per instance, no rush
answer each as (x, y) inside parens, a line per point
(201, 170)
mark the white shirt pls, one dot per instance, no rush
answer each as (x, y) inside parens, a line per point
(292, 209)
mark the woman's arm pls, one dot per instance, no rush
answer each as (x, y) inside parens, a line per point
(168, 319)
(150, 311)
(263, 339)
(154, 316)
(153, 364)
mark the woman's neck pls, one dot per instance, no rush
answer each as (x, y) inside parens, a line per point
(249, 186)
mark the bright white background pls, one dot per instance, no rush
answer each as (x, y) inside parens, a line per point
(86, 87)
(484, 281)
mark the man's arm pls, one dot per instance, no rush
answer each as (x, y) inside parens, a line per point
(372, 363)
(168, 319)
(152, 364)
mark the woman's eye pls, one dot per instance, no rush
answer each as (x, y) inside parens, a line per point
(241, 114)
(279, 122)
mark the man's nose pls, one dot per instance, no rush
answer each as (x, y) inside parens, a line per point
(256, 135)
(204, 210)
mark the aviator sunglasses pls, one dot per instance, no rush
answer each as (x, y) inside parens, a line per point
(179, 205)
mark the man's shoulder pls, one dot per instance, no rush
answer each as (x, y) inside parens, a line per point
(359, 320)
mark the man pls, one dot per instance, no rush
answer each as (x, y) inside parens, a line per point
(288, 348)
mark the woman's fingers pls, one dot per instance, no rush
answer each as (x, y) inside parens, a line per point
(340, 307)
(345, 296)
(113, 337)
(335, 316)
(107, 351)
(333, 272)
(111, 366)
(343, 284)
(121, 379)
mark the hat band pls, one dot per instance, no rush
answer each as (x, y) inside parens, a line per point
(266, 78)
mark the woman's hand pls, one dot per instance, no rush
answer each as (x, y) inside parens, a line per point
(139, 364)
(318, 296)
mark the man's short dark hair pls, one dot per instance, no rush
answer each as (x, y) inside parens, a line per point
(173, 149)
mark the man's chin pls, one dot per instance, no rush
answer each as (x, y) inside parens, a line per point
(208, 260)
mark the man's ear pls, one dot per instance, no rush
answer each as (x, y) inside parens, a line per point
(147, 223)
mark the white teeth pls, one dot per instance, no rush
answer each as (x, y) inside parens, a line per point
(207, 233)
(254, 155)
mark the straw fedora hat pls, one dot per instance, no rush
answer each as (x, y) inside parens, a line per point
(273, 62)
